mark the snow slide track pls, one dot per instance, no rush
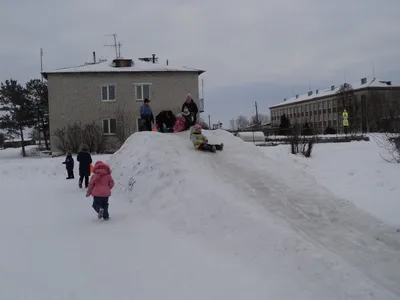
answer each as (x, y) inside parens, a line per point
(370, 246)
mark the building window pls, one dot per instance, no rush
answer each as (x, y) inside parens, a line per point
(142, 91)
(108, 93)
(109, 126)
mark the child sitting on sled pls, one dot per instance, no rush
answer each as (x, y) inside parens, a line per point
(200, 141)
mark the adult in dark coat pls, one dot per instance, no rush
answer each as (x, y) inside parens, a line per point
(69, 165)
(85, 160)
(192, 107)
(167, 118)
(146, 114)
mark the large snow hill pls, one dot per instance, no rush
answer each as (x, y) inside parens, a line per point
(277, 221)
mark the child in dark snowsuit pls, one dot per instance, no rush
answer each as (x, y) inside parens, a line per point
(85, 160)
(69, 165)
(200, 141)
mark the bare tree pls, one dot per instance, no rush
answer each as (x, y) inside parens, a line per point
(390, 143)
(301, 144)
(72, 136)
(242, 122)
(122, 122)
(262, 119)
(386, 114)
(346, 99)
(232, 124)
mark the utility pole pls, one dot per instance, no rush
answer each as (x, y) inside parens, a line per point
(255, 104)
(209, 121)
(202, 96)
(41, 62)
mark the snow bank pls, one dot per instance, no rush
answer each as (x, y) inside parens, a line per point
(243, 205)
(17, 152)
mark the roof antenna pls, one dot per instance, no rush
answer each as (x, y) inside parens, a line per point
(373, 69)
(116, 45)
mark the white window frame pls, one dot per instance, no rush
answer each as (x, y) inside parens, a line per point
(108, 92)
(141, 84)
(109, 126)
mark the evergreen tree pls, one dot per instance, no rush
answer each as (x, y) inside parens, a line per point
(285, 125)
(19, 111)
(38, 96)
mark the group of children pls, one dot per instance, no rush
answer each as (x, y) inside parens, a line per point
(101, 183)
(99, 186)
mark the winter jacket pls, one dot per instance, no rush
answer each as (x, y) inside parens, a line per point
(69, 163)
(85, 160)
(191, 106)
(146, 113)
(166, 117)
(197, 138)
(180, 124)
(101, 183)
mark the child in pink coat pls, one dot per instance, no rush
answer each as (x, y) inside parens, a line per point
(100, 186)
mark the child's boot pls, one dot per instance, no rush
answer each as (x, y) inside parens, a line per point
(101, 212)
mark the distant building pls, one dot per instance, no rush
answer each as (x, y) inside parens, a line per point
(368, 104)
(100, 92)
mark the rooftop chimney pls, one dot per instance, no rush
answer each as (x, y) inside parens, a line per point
(284, 99)
(309, 93)
(154, 58)
(316, 92)
(94, 57)
(363, 80)
(167, 62)
(332, 87)
(297, 96)
(122, 62)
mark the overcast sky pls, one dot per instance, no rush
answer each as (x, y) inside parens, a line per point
(254, 50)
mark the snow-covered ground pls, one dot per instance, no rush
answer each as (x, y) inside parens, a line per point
(353, 171)
(230, 225)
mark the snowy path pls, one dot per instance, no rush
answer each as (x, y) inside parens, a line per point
(367, 244)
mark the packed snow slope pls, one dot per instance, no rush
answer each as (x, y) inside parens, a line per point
(353, 171)
(295, 237)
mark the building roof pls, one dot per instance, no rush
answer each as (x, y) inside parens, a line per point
(373, 83)
(107, 67)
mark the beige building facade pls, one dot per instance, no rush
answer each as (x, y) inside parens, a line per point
(367, 103)
(108, 92)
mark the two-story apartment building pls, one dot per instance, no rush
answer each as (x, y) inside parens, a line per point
(368, 103)
(100, 92)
